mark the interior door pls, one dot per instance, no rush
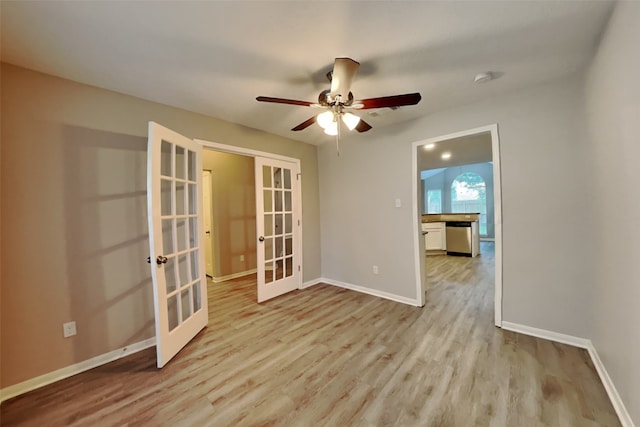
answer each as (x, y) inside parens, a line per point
(278, 227)
(208, 238)
(174, 195)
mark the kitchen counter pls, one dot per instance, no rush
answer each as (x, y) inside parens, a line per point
(450, 217)
(443, 235)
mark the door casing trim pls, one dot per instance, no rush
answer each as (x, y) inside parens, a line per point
(419, 261)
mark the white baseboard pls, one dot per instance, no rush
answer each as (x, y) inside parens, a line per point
(310, 283)
(369, 291)
(60, 374)
(233, 276)
(612, 392)
(616, 401)
(547, 335)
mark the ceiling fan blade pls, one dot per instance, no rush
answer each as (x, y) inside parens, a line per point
(390, 101)
(344, 70)
(305, 124)
(284, 101)
(362, 126)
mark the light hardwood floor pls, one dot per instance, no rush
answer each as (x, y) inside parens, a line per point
(326, 356)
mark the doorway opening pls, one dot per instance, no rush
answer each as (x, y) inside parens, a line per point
(459, 173)
(256, 217)
(230, 221)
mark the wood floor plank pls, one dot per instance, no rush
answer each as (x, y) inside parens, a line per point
(326, 356)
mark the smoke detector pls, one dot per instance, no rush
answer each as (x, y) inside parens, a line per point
(483, 77)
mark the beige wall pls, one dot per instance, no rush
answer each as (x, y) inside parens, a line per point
(613, 107)
(74, 216)
(1, 275)
(233, 212)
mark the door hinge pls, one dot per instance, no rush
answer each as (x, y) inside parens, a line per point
(298, 223)
(298, 176)
(298, 268)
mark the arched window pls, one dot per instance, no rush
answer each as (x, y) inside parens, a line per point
(469, 195)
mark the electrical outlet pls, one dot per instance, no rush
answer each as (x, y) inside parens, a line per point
(69, 329)
(241, 258)
(398, 203)
(375, 269)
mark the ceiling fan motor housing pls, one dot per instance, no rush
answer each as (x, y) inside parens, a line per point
(326, 100)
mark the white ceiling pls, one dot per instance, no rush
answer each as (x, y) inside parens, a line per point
(464, 150)
(215, 57)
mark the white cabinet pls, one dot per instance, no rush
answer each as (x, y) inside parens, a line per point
(436, 238)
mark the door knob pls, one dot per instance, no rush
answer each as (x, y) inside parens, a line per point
(261, 238)
(161, 259)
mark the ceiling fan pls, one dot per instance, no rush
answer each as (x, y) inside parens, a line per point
(338, 101)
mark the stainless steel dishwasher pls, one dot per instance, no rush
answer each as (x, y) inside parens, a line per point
(459, 238)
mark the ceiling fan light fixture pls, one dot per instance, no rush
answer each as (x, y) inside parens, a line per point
(351, 120)
(325, 119)
(332, 129)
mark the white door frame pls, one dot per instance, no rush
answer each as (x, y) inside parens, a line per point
(256, 153)
(419, 261)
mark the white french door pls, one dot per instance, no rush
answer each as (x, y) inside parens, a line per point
(278, 227)
(174, 198)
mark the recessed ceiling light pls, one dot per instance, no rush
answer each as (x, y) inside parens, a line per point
(446, 156)
(483, 77)
(429, 146)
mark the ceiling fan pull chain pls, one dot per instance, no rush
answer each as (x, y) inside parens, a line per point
(338, 137)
